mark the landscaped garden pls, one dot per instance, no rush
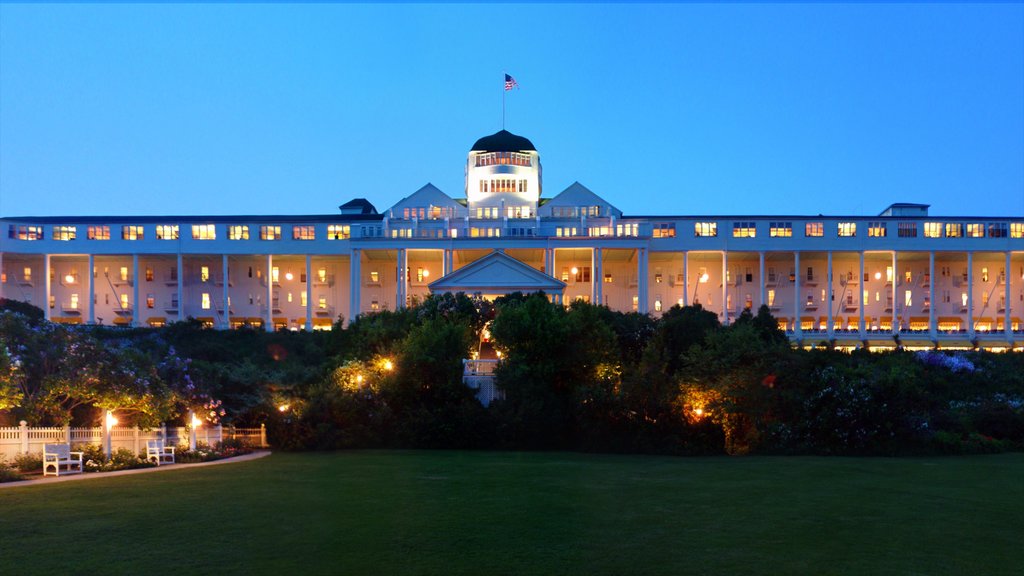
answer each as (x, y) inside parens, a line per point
(450, 512)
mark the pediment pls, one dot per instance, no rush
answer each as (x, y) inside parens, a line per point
(497, 273)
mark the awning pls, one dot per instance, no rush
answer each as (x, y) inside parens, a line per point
(156, 320)
(950, 319)
(322, 322)
(68, 319)
(121, 321)
(923, 319)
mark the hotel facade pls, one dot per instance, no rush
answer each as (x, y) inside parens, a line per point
(903, 277)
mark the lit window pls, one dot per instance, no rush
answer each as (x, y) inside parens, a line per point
(321, 275)
(149, 274)
(275, 275)
(150, 301)
(125, 305)
(322, 303)
(204, 232)
(908, 299)
(238, 232)
(25, 232)
(954, 230)
(907, 229)
(270, 232)
(303, 233)
(624, 230)
(98, 233)
(131, 232)
(124, 273)
(204, 274)
(876, 230)
(933, 230)
(780, 229)
(1017, 230)
(657, 304)
(206, 300)
(975, 230)
(608, 279)
(814, 229)
(771, 297)
(65, 232)
(338, 232)
(744, 230)
(847, 229)
(705, 229)
(664, 230)
(302, 299)
(167, 232)
(375, 277)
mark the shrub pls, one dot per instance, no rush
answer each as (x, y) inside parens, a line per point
(29, 462)
(8, 473)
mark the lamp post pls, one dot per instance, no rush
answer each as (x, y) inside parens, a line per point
(109, 421)
(193, 423)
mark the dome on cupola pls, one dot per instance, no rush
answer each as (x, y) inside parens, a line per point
(503, 141)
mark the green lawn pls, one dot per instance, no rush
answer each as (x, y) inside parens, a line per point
(526, 513)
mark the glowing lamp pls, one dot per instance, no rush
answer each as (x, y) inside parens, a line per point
(426, 273)
(289, 276)
(388, 365)
(70, 279)
(196, 422)
(878, 275)
(359, 378)
(283, 407)
(575, 270)
(698, 411)
(111, 420)
(704, 277)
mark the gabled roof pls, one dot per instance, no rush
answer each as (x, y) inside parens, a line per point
(428, 195)
(578, 195)
(497, 273)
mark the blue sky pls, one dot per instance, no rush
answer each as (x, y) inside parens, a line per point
(660, 109)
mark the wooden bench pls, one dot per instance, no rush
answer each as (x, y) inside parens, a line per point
(57, 455)
(158, 452)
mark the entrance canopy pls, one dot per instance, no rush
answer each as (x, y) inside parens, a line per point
(497, 274)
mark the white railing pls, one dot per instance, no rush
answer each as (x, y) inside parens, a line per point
(15, 440)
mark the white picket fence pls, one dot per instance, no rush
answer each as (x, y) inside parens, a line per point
(15, 440)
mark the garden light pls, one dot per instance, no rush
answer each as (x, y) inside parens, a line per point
(359, 378)
(196, 422)
(111, 420)
(388, 365)
(283, 407)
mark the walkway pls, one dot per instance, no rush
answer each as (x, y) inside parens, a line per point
(91, 475)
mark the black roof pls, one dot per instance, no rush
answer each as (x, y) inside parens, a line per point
(361, 204)
(503, 141)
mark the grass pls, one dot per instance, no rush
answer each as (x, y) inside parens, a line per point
(528, 513)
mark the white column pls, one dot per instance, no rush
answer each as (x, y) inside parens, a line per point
(181, 287)
(861, 285)
(400, 278)
(686, 278)
(446, 262)
(92, 290)
(226, 276)
(549, 262)
(598, 277)
(270, 295)
(764, 295)
(136, 311)
(725, 287)
(828, 298)
(1006, 300)
(895, 302)
(309, 293)
(932, 328)
(642, 280)
(970, 295)
(355, 282)
(46, 283)
(798, 328)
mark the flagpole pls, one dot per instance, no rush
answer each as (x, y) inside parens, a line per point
(503, 90)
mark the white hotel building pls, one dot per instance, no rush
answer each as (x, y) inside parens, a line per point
(900, 277)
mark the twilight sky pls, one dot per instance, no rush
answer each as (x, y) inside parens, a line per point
(660, 109)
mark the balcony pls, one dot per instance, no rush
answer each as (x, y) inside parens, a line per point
(171, 307)
(325, 312)
(70, 308)
(327, 280)
(171, 279)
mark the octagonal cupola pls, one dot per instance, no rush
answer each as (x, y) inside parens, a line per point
(503, 177)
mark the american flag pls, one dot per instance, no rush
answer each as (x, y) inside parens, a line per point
(510, 82)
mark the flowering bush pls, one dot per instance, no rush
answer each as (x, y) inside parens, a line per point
(952, 362)
(29, 462)
(206, 453)
(121, 459)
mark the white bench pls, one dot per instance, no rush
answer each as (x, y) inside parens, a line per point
(156, 451)
(57, 455)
